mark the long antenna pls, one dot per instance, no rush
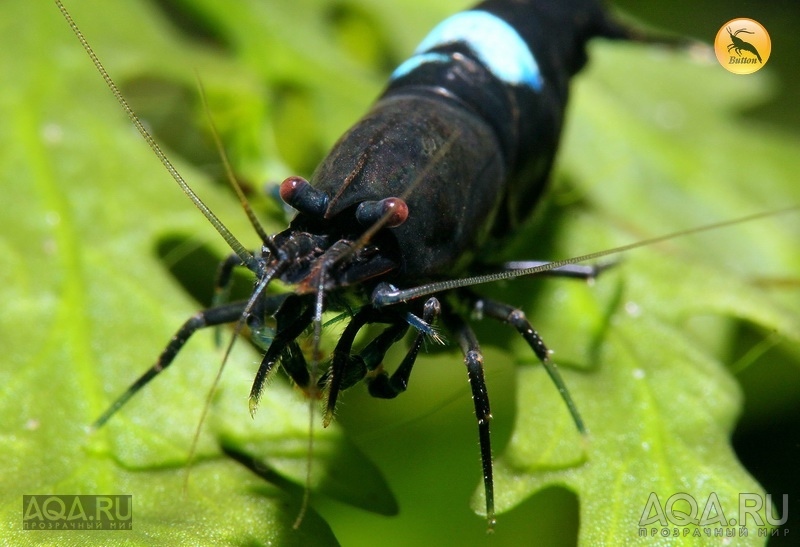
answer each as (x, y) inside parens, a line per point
(232, 180)
(388, 297)
(246, 256)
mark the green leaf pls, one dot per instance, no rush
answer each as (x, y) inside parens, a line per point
(97, 241)
(641, 360)
(89, 303)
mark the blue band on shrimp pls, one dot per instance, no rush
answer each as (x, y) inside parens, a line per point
(493, 41)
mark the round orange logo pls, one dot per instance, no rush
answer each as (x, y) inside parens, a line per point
(742, 46)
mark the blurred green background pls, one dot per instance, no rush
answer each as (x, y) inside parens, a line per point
(102, 259)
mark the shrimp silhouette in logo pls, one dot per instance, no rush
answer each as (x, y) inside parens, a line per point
(737, 44)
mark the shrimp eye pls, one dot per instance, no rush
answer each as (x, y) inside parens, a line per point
(394, 210)
(298, 193)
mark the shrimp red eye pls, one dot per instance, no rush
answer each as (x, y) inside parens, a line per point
(393, 209)
(298, 193)
(290, 188)
(397, 210)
